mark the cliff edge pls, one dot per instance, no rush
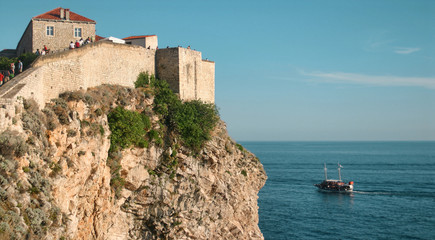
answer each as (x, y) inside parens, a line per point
(62, 178)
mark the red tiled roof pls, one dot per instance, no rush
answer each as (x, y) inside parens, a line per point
(98, 38)
(137, 37)
(55, 15)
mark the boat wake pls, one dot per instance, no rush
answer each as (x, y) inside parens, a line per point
(397, 193)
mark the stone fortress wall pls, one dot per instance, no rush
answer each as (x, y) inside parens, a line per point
(190, 75)
(105, 62)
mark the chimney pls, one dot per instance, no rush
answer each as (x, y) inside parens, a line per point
(66, 13)
(62, 13)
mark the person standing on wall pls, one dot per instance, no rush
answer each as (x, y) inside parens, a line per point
(1, 79)
(13, 68)
(20, 66)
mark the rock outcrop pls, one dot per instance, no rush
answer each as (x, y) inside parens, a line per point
(57, 183)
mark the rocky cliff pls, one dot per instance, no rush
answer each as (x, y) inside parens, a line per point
(59, 182)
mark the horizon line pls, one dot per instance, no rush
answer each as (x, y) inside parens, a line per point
(335, 140)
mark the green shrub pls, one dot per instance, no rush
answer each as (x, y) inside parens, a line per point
(155, 136)
(143, 80)
(102, 130)
(165, 101)
(128, 128)
(5, 63)
(244, 173)
(34, 190)
(193, 120)
(240, 147)
(117, 182)
(27, 58)
(56, 169)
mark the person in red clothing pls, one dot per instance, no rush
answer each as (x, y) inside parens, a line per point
(77, 44)
(45, 49)
(1, 78)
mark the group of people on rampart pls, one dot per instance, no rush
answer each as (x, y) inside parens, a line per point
(7, 75)
(44, 51)
(72, 45)
(80, 43)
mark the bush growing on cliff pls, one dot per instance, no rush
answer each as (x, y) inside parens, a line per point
(11, 144)
(192, 120)
(128, 128)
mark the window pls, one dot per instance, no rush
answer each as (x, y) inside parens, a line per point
(77, 32)
(50, 31)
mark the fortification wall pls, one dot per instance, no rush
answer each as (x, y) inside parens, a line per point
(186, 72)
(109, 63)
(89, 66)
(190, 62)
(167, 67)
(206, 87)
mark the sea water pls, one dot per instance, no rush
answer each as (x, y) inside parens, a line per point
(393, 198)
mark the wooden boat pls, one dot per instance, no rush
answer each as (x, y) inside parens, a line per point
(331, 185)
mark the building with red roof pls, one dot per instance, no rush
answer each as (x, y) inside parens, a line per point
(146, 41)
(55, 29)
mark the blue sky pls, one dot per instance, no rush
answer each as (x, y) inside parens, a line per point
(289, 69)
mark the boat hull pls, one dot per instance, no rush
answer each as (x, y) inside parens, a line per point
(334, 190)
(334, 186)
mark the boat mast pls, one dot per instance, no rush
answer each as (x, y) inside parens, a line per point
(326, 174)
(339, 173)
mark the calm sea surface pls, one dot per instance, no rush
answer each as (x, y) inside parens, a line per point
(394, 194)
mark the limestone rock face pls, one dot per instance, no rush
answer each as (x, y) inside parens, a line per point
(207, 195)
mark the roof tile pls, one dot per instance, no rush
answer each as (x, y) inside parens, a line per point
(55, 15)
(137, 37)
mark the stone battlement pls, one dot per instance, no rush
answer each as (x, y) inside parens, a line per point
(105, 62)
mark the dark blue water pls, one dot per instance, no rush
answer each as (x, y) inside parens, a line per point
(394, 194)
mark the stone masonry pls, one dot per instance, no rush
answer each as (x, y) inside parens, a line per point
(105, 62)
(187, 73)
